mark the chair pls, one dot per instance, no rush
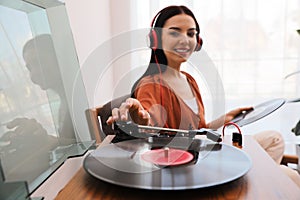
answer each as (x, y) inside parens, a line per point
(292, 159)
(101, 114)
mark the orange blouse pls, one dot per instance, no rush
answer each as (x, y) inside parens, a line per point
(166, 108)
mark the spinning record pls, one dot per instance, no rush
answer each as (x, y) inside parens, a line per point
(258, 112)
(198, 164)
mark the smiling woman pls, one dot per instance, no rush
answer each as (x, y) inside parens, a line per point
(164, 95)
(175, 35)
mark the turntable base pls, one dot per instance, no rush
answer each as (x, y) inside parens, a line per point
(122, 165)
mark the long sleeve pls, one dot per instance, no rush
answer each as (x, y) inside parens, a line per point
(166, 108)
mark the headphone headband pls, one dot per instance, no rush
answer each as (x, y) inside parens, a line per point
(154, 19)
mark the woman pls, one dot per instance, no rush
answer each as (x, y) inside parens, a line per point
(165, 96)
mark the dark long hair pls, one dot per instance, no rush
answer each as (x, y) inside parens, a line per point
(158, 58)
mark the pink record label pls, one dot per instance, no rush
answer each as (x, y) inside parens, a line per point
(167, 156)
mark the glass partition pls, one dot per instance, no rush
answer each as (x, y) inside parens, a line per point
(42, 96)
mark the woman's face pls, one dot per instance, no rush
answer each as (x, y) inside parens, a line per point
(179, 38)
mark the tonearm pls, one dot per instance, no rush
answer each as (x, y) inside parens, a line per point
(133, 130)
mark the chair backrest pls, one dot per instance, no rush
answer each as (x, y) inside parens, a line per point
(99, 115)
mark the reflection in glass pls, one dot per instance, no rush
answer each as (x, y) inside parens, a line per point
(41, 62)
(45, 122)
(36, 129)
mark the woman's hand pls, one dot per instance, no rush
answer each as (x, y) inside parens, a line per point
(232, 114)
(217, 123)
(135, 110)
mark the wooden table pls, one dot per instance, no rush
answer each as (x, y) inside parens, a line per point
(265, 180)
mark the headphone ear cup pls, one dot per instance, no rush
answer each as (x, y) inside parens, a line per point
(199, 43)
(153, 39)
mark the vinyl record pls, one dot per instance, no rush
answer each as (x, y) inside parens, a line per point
(258, 112)
(123, 164)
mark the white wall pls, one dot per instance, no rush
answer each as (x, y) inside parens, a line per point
(94, 23)
(91, 26)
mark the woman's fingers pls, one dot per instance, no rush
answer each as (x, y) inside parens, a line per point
(137, 112)
(144, 114)
(115, 116)
(240, 110)
(130, 106)
(110, 121)
(246, 108)
(123, 111)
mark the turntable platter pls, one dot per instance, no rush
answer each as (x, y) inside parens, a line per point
(122, 164)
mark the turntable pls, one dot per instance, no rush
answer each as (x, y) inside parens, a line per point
(158, 162)
(155, 161)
